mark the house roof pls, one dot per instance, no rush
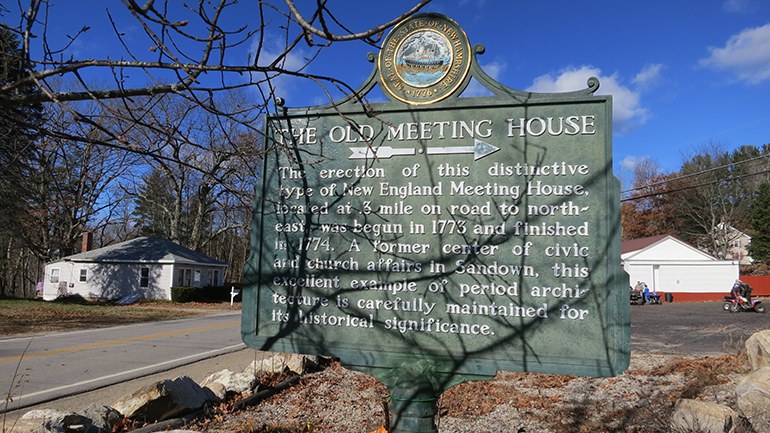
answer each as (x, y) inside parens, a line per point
(637, 244)
(734, 231)
(144, 250)
(635, 248)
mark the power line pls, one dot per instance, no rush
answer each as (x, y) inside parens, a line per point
(684, 188)
(687, 176)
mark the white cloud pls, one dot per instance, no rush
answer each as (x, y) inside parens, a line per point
(649, 75)
(737, 6)
(746, 55)
(630, 162)
(494, 70)
(627, 109)
(271, 49)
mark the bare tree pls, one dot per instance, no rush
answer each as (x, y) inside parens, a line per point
(711, 198)
(201, 170)
(187, 52)
(70, 189)
(646, 209)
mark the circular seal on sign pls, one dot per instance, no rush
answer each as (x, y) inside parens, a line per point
(424, 59)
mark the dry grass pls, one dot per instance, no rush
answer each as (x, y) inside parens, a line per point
(21, 316)
(641, 400)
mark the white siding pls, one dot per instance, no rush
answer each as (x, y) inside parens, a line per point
(669, 250)
(714, 276)
(109, 281)
(166, 280)
(67, 276)
(202, 271)
(697, 278)
(671, 266)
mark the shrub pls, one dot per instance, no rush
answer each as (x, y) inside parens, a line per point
(202, 294)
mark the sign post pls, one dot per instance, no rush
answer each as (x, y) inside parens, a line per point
(434, 239)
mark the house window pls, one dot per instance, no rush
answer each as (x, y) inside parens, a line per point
(216, 277)
(83, 275)
(185, 275)
(197, 276)
(55, 275)
(144, 277)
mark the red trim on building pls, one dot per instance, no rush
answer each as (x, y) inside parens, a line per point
(693, 297)
(710, 296)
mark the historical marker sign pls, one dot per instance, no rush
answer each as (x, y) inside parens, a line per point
(463, 235)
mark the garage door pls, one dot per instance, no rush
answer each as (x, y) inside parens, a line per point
(695, 278)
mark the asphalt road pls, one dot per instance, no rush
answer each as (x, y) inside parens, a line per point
(69, 364)
(692, 328)
(46, 367)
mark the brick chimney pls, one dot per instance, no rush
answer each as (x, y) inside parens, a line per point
(88, 242)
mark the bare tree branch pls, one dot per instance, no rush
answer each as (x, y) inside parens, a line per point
(332, 37)
(191, 59)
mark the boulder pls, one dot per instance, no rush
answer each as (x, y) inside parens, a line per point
(758, 349)
(53, 421)
(226, 382)
(217, 389)
(103, 418)
(164, 400)
(702, 416)
(753, 399)
(280, 362)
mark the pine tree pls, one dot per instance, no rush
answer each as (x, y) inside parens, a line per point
(18, 132)
(18, 127)
(759, 249)
(153, 205)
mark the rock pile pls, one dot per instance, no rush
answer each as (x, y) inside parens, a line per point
(752, 399)
(162, 400)
(182, 397)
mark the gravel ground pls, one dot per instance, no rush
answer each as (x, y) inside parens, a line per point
(337, 400)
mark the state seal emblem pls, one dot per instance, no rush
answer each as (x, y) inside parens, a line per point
(424, 59)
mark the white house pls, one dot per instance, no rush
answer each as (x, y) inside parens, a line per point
(737, 243)
(143, 266)
(669, 265)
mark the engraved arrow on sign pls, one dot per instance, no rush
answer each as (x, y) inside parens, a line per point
(479, 150)
(383, 152)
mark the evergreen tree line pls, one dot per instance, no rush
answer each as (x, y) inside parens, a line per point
(714, 193)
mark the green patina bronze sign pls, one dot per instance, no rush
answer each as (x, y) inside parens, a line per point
(433, 238)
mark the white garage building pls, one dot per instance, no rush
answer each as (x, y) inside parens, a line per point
(669, 265)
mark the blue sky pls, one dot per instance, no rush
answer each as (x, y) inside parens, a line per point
(684, 74)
